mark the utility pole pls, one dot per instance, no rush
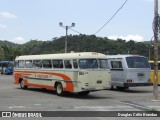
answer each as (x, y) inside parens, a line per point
(66, 39)
(66, 27)
(155, 86)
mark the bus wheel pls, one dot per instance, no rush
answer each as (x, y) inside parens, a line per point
(22, 85)
(122, 88)
(59, 89)
(84, 93)
(5, 72)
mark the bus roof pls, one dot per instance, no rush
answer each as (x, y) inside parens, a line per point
(123, 56)
(80, 55)
(151, 61)
(4, 62)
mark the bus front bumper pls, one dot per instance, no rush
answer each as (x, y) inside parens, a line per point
(88, 88)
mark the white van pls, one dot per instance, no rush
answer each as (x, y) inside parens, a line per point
(129, 71)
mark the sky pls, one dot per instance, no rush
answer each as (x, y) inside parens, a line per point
(23, 20)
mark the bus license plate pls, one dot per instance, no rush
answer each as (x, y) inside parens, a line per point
(141, 75)
(99, 82)
(141, 79)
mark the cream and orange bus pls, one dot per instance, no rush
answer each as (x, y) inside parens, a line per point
(80, 73)
(152, 72)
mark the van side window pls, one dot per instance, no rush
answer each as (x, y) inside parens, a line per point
(21, 64)
(57, 63)
(68, 64)
(37, 63)
(47, 64)
(116, 64)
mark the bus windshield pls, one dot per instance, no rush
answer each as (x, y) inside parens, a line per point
(11, 65)
(103, 64)
(93, 64)
(6, 67)
(137, 62)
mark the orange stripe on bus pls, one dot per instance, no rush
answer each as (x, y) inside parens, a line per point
(41, 86)
(19, 73)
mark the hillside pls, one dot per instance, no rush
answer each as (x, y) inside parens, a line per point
(5, 42)
(79, 43)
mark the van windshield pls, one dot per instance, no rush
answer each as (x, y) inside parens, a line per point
(137, 62)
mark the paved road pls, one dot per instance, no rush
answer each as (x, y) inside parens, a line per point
(12, 98)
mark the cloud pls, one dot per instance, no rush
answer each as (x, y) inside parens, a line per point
(7, 15)
(136, 38)
(19, 39)
(3, 26)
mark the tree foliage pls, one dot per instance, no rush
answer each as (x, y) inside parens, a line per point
(76, 43)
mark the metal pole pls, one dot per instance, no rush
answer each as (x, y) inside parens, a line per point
(66, 27)
(66, 39)
(155, 86)
(149, 53)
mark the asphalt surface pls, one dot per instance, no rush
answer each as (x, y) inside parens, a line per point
(12, 98)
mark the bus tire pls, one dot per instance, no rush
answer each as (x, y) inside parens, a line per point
(122, 88)
(5, 72)
(59, 89)
(22, 86)
(84, 93)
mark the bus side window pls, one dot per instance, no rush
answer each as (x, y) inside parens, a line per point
(37, 64)
(103, 64)
(21, 64)
(47, 64)
(68, 64)
(29, 63)
(57, 63)
(158, 66)
(152, 66)
(15, 64)
(75, 64)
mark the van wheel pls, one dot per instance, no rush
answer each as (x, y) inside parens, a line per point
(111, 87)
(59, 89)
(84, 93)
(22, 86)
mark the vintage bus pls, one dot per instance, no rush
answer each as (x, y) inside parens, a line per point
(80, 73)
(152, 72)
(129, 71)
(6, 67)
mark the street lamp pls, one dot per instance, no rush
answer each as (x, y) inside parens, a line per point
(149, 50)
(66, 27)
